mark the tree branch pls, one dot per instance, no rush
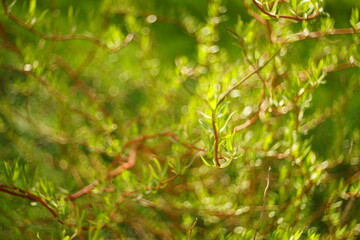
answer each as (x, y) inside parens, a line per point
(15, 191)
(58, 38)
(318, 34)
(224, 95)
(297, 18)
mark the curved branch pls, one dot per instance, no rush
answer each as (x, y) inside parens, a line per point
(247, 123)
(318, 34)
(297, 18)
(224, 95)
(15, 191)
(88, 189)
(58, 38)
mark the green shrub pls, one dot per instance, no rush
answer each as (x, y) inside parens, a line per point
(184, 119)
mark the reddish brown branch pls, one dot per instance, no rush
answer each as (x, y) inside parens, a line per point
(260, 19)
(304, 36)
(297, 18)
(83, 191)
(127, 165)
(15, 191)
(247, 123)
(88, 189)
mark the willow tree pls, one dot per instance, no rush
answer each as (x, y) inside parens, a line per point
(184, 119)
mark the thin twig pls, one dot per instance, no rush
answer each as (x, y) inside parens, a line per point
(129, 164)
(57, 38)
(247, 123)
(88, 189)
(260, 19)
(7, 43)
(216, 139)
(15, 191)
(297, 18)
(318, 34)
(264, 203)
(56, 94)
(191, 228)
(224, 95)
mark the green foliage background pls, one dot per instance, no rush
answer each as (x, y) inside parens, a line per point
(164, 119)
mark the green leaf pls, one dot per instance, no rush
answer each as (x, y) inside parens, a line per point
(205, 115)
(226, 123)
(11, 5)
(354, 20)
(205, 162)
(294, 5)
(226, 163)
(275, 7)
(206, 126)
(157, 163)
(153, 173)
(32, 7)
(229, 140)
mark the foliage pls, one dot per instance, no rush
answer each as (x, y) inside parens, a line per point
(184, 119)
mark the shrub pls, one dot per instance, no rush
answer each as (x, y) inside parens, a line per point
(179, 119)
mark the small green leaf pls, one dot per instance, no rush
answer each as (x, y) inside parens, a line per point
(229, 141)
(157, 163)
(11, 5)
(225, 164)
(222, 111)
(226, 123)
(354, 20)
(293, 4)
(206, 116)
(274, 7)
(153, 173)
(32, 7)
(205, 125)
(205, 162)
(70, 12)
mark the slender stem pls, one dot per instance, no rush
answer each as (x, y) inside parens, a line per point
(191, 228)
(57, 38)
(264, 203)
(216, 136)
(15, 191)
(247, 123)
(224, 95)
(318, 34)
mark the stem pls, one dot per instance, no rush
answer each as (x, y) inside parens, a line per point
(15, 191)
(57, 38)
(191, 228)
(216, 136)
(223, 96)
(301, 36)
(264, 202)
(297, 18)
(247, 123)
